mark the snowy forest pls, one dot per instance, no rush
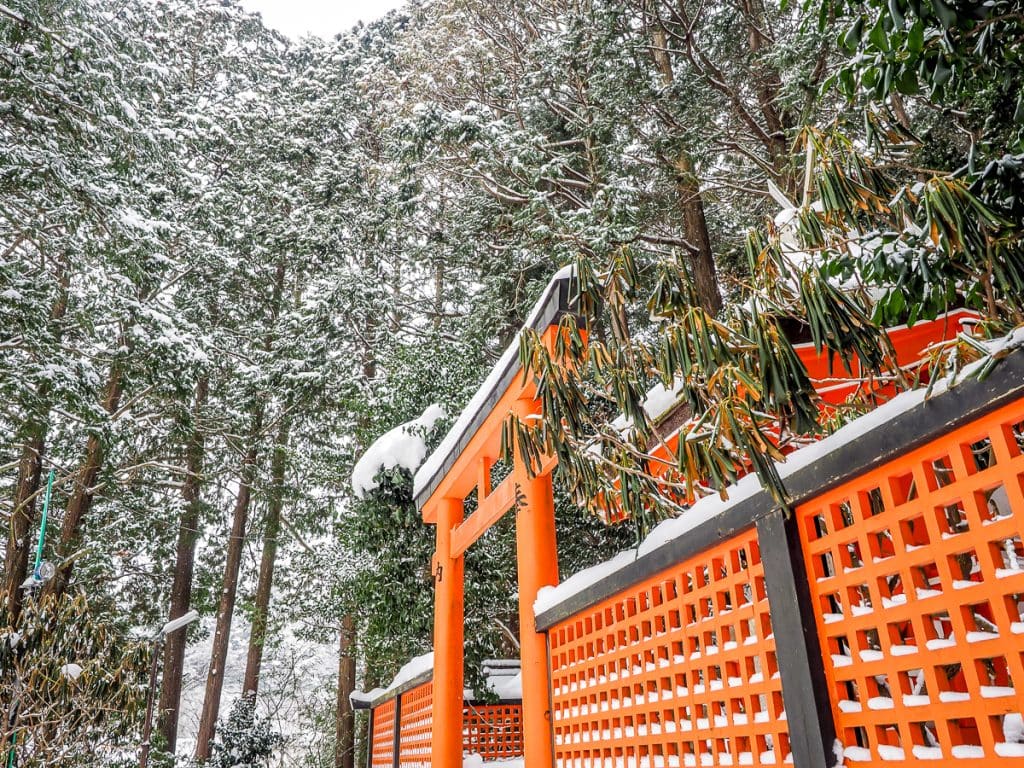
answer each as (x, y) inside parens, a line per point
(230, 262)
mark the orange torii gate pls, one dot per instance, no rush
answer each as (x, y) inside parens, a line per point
(462, 464)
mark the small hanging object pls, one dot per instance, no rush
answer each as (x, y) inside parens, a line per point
(43, 570)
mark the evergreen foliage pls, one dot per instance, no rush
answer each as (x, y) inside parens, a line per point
(225, 255)
(76, 682)
(246, 740)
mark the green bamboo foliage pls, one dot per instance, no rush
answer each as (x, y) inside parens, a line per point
(864, 246)
(70, 717)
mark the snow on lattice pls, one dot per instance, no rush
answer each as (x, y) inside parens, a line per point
(473, 760)
(1013, 728)
(404, 446)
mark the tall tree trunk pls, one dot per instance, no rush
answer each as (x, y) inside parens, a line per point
(344, 736)
(184, 567)
(222, 634)
(85, 479)
(768, 87)
(345, 722)
(439, 285)
(271, 530)
(691, 204)
(695, 224)
(22, 519)
(228, 593)
(30, 469)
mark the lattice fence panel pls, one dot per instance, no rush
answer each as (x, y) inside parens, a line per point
(382, 748)
(416, 719)
(493, 731)
(679, 670)
(917, 575)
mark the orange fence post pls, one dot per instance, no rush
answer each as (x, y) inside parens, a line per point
(537, 562)
(446, 737)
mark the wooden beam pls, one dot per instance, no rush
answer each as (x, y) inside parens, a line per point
(490, 509)
(487, 513)
(483, 479)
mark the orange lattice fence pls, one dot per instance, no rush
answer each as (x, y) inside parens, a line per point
(415, 719)
(382, 743)
(677, 670)
(493, 731)
(917, 580)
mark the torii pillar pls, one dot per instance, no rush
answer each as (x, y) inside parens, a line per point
(460, 465)
(537, 567)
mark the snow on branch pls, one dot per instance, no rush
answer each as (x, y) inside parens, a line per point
(404, 446)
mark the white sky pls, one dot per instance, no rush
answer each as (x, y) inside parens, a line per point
(324, 18)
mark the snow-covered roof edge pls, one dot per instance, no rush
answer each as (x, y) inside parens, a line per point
(895, 428)
(506, 683)
(558, 299)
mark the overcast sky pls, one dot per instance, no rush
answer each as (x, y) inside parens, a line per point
(319, 17)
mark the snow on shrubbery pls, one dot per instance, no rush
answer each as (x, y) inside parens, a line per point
(404, 446)
(71, 671)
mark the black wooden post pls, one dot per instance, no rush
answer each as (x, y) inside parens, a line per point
(804, 688)
(369, 738)
(396, 749)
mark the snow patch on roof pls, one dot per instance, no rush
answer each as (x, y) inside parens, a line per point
(658, 401)
(411, 670)
(404, 446)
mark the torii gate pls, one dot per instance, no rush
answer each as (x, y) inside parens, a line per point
(460, 465)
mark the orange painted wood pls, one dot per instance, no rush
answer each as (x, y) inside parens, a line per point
(493, 731)
(417, 728)
(483, 481)
(678, 670)
(464, 475)
(537, 563)
(917, 574)
(383, 745)
(911, 349)
(462, 478)
(489, 511)
(446, 745)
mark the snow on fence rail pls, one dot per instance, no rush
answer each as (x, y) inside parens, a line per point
(883, 618)
(490, 731)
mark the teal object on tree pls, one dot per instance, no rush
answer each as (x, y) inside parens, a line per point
(42, 524)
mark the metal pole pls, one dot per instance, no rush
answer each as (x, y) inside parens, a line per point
(35, 572)
(147, 728)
